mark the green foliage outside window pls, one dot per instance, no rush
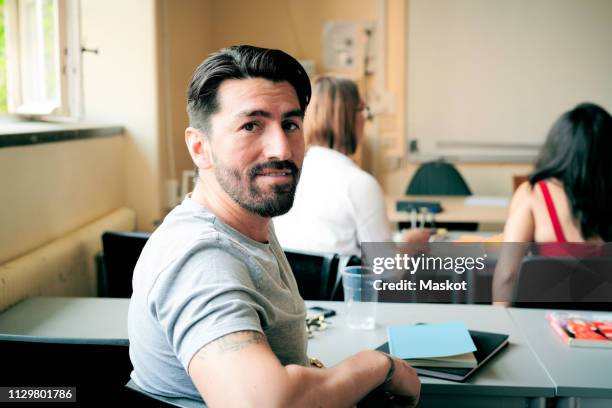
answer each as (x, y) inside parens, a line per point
(50, 53)
(3, 106)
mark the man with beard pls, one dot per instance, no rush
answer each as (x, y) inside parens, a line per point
(215, 312)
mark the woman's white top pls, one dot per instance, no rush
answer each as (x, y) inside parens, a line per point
(337, 206)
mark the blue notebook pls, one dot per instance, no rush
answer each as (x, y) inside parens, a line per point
(430, 340)
(487, 346)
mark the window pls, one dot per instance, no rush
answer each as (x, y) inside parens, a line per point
(3, 102)
(43, 73)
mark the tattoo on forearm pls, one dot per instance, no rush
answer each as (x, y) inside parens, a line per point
(231, 343)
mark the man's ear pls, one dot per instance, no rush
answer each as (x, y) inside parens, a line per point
(199, 148)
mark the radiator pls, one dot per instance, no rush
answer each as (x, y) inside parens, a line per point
(63, 267)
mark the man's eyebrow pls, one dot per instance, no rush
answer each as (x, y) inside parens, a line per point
(249, 113)
(296, 112)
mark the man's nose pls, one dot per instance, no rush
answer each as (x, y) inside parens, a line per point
(276, 144)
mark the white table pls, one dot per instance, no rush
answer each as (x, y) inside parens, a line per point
(582, 376)
(66, 317)
(514, 378)
(536, 365)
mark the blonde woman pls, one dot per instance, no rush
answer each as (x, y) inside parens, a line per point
(337, 205)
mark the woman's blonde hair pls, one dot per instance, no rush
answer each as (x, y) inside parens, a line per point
(331, 114)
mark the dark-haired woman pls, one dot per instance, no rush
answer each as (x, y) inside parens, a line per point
(568, 197)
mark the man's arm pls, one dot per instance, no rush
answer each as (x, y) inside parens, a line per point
(240, 369)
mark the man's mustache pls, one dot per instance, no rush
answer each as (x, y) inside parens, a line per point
(285, 165)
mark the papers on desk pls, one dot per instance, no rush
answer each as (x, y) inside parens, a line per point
(484, 201)
(433, 345)
(582, 329)
(466, 360)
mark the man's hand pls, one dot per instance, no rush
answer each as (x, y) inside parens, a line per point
(415, 241)
(405, 385)
(416, 235)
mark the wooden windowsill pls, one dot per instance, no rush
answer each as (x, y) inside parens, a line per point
(31, 133)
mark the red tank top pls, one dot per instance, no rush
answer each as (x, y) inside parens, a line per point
(561, 247)
(552, 212)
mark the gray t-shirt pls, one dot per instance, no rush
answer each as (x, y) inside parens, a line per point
(198, 279)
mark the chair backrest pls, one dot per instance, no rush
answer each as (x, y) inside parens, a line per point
(437, 178)
(315, 273)
(337, 292)
(564, 283)
(98, 368)
(121, 252)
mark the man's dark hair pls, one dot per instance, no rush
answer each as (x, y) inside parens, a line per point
(577, 153)
(241, 62)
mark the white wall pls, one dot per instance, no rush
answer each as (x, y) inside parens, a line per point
(501, 72)
(186, 39)
(120, 86)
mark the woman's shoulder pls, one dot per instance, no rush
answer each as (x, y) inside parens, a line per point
(362, 177)
(528, 193)
(523, 195)
(525, 200)
(550, 187)
(520, 222)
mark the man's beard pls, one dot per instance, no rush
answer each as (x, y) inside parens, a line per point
(250, 196)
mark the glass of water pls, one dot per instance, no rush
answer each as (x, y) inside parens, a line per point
(360, 297)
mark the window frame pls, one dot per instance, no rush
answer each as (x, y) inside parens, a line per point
(69, 105)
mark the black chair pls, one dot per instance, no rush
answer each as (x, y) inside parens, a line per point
(98, 368)
(440, 178)
(315, 273)
(437, 178)
(564, 283)
(121, 252)
(337, 292)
